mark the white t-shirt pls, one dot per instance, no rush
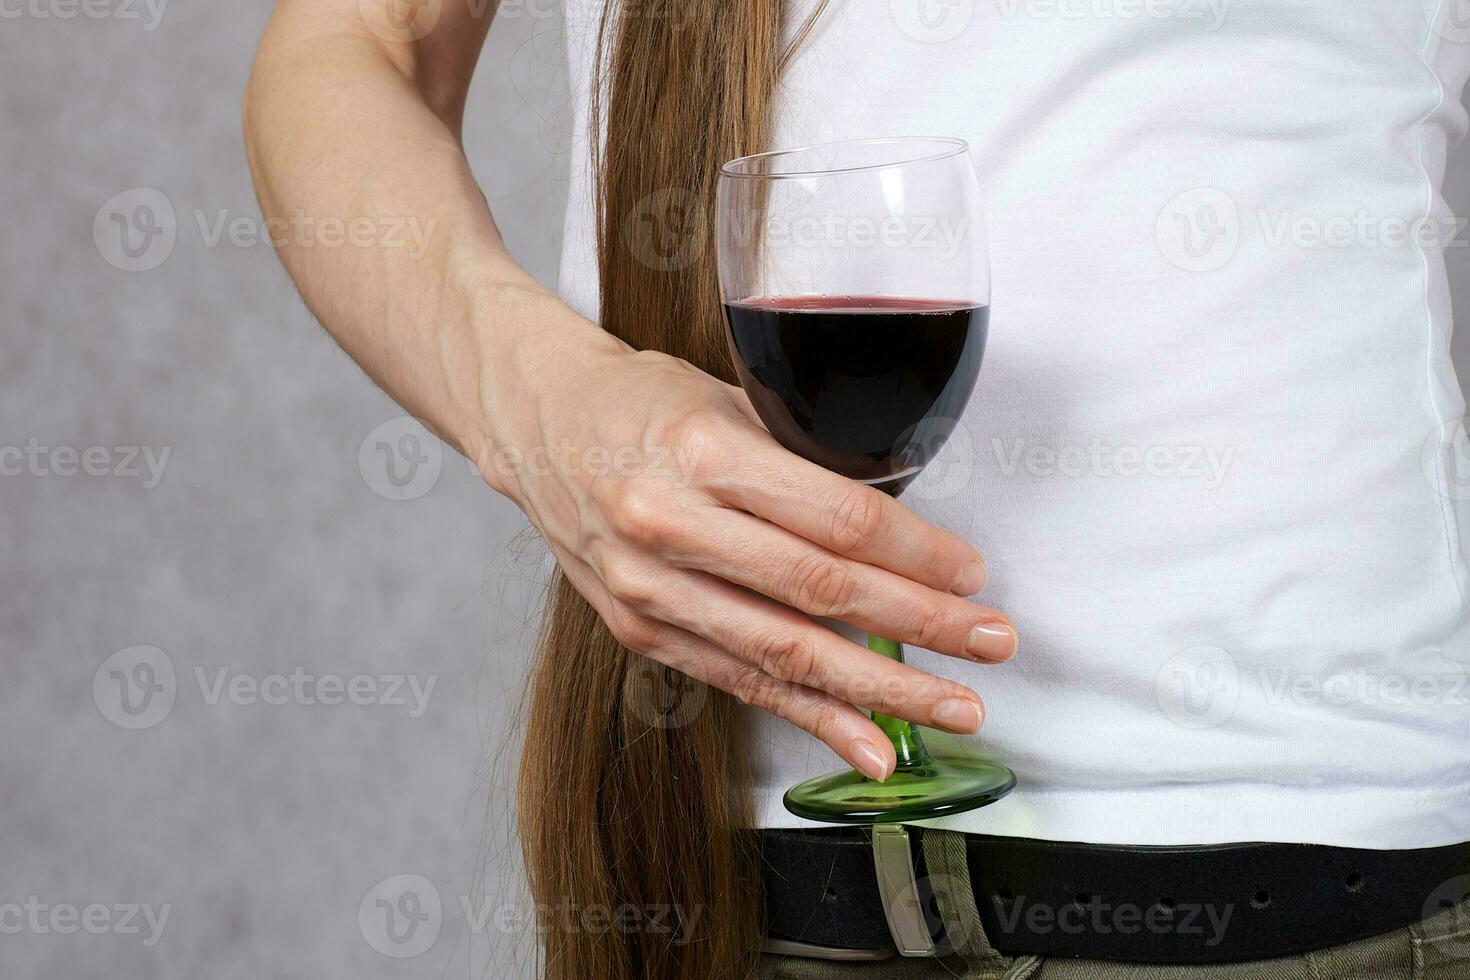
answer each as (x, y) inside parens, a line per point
(1211, 458)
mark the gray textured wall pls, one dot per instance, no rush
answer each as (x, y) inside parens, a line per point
(258, 563)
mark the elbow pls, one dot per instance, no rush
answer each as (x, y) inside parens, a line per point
(250, 101)
(259, 100)
(247, 126)
(252, 122)
(249, 131)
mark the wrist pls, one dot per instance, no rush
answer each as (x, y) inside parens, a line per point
(529, 348)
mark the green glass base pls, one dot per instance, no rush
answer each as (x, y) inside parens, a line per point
(937, 788)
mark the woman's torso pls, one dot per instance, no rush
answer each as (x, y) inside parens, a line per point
(1205, 461)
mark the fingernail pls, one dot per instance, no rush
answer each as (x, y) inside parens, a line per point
(870, 761)
(955, 715)
(971, 580)
(994, 642)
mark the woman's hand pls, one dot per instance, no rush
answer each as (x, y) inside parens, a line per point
(702, 543)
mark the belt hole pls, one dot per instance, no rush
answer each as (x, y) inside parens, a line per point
(1355, 882)
(1261, 900)
(1168, 906)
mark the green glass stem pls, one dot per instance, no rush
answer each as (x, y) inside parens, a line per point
(921, 787)
(907, 742)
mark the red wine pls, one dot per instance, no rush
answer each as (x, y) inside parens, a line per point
(869, 387)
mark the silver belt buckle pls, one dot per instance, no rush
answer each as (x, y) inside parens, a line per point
(898, 886)
(898, 889)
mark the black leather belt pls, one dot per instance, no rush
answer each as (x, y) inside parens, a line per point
(1213, 904)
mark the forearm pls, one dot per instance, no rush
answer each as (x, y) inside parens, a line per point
(341, 127)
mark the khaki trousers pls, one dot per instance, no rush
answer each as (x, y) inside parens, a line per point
(1435, 949)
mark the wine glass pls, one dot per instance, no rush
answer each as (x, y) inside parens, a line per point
(856, 284)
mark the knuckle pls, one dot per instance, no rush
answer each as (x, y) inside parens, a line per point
(631, 630)
(787, 655)
(823, 723)
(638, 516)
(628, 584)
(758, 689)
(939, 562)
(893, 694)
(857, 519)
(929, 625)
(820, 584)
(698, 439)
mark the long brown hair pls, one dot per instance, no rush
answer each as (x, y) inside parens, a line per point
(631, 804)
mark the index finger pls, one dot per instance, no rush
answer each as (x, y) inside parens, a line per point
(850, 519)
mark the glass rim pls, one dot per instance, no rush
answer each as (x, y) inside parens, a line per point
(941, 148)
